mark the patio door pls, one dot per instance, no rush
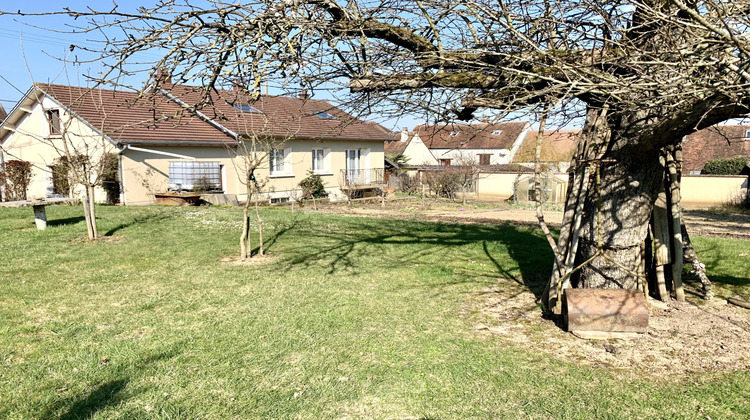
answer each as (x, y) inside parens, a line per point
(352, 166)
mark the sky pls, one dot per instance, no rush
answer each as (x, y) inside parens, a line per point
(32, 49)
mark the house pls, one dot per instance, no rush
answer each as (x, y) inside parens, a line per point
(480, 143)
(3, 114)
(715, 142)
(411, 146)
(162, 143)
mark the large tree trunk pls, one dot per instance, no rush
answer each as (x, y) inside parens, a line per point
(606, 223)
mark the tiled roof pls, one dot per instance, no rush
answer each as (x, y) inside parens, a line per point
(164, 117)
(126, 118)
(716, 142)
(281, 116)
(557, 145)
(470, 136)
(397, 147)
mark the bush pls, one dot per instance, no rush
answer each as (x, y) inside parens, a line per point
(731, 166)
(444, 183)
(15, 177)
(312, 187)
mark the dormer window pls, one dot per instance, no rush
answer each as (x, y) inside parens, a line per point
(497, 132)
(454, 133)
(747, 134)
(248, 108)
(53, 118)
(324, 115)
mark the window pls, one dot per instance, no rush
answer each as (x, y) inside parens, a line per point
(320, 161)
(484, 159)
(53, 117)
(279, 161)
(445, 162)
(497, 132)
(324, 115)
(195, 176)
(454, 133)
(247, 108)
(747, 133)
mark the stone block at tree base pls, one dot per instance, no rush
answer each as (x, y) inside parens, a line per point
(605, 310)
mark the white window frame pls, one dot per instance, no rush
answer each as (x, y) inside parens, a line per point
(180, 170)
(326, 168)
(280, 167)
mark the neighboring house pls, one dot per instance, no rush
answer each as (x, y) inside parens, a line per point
(3, 114)
(163, 144)
(715, 142)
(480, 143)
(411, 146)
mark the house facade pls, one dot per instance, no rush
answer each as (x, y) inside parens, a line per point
(411, 146)
(482, 144)
(161, 143)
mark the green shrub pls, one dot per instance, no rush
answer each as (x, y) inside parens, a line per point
(312, 187)
(731, 166)
(15, 176)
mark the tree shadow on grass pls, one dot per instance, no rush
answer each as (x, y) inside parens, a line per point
(518, 253)
(107, 393)
(136, 220)
(66, 221)
(104, 395)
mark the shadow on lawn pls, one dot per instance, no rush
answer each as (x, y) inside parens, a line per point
(529, 263)
(66, 221)
(106, 394)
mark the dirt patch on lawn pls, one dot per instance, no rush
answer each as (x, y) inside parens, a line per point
(254, 260)
(682, 338)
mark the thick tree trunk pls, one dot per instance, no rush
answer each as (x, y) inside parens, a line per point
(606, 251)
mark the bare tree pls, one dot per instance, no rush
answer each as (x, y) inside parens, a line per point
(645, 73)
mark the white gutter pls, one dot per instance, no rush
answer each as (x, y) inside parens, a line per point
(157, 152)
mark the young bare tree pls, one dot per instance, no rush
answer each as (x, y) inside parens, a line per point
(645, 73)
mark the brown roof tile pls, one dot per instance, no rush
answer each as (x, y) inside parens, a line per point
(281, 116)
(470, 136)
(716, 142)
(127, 118)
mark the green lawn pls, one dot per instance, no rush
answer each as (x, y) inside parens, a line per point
(355, 318)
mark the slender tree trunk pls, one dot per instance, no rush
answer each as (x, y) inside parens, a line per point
(87, 215)
(92, 211)
(245, 243)
(261, 252)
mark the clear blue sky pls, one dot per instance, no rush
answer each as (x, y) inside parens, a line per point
(32, 49)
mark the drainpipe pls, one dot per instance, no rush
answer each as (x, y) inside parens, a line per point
(120, 178)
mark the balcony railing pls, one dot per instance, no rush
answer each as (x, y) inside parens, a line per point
(362, 178)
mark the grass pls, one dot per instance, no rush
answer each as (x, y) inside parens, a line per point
(354, 318)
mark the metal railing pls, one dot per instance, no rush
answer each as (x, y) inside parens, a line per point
(362, 177)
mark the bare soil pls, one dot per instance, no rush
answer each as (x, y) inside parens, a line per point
(685, 338)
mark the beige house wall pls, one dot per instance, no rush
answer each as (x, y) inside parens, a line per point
(418, 153)
(500, 185)
(706, 190)
(145, 173)
(31, 141)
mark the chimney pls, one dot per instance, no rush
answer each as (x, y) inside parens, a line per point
(404, 134)
(303, 95)
(163, 76)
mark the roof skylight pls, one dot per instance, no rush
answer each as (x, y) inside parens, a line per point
(248, 108)
(324, 115)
